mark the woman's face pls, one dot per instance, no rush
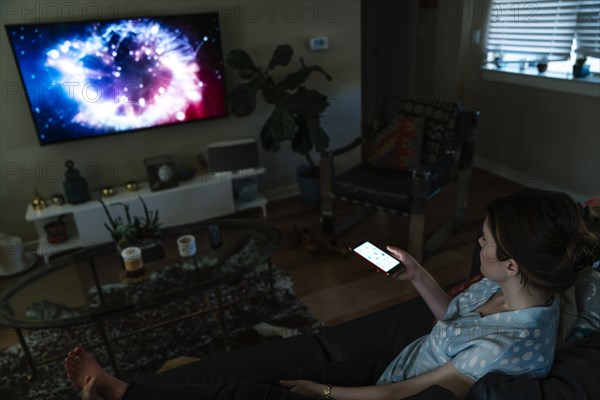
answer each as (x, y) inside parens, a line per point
(490, 266)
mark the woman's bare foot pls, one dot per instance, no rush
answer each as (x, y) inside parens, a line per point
(88, 392)
(81, 368)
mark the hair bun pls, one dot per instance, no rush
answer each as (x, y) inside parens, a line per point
(581, 249)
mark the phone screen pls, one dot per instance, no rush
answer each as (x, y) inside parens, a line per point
(377, 256)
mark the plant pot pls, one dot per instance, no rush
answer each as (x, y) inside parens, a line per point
(309, 184)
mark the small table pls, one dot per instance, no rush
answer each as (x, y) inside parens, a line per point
(90, 286)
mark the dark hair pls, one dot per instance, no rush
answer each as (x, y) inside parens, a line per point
(544, 233)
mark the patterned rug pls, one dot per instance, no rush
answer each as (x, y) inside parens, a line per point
(144, 353)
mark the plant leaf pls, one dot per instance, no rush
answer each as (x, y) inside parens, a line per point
(307, 101)
(281, 56)
(316, 133)
(301, 142)
(239, 59)
(247, 74)
(295, 79)
(271, 93)
(242, 99)
(283, 124)
(267, 140)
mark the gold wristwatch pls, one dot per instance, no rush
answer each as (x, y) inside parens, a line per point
(327, 392)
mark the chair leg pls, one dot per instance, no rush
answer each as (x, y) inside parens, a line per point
(416, 234)
(460, 212)
(416, 223)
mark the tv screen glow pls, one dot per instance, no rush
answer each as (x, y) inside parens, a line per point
(95, 78)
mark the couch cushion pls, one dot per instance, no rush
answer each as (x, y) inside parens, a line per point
(389, 189)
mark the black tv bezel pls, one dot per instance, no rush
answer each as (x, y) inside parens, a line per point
(129, 131)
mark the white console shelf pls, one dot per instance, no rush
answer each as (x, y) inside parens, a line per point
(202, 197)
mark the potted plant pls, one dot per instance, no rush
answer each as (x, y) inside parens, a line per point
(139, 232)
(296, 113)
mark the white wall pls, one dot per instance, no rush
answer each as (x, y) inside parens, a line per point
(256, 26)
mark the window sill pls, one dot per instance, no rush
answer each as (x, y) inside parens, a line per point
(561, 82)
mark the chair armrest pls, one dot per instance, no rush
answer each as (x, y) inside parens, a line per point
(341, 150)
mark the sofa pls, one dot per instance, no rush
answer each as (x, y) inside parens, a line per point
(381, 335)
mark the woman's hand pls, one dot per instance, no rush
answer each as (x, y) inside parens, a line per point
(411, 267)
(306, 388)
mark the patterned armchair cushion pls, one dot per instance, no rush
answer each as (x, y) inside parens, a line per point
(396, 143)
(440, 133)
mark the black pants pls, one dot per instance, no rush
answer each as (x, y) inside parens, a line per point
(344, 373)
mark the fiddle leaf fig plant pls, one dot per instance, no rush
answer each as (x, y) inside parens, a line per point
(297, 109)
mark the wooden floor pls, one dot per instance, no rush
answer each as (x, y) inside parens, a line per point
(339, 287)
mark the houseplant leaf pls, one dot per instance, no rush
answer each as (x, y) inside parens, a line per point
(281, 56)
(301, 142)
(267, 140)
(295, 79)
(271, 93)
(283, 124)
(307, 101)
(316, 133)
(239, 59)
(242, 99)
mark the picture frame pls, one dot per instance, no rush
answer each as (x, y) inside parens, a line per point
(161, 172)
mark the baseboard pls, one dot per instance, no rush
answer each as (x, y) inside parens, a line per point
(523, 179)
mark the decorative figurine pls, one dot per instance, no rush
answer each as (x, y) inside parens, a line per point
(107, 191)
(38, 202)
(131, 186)
(75, 185)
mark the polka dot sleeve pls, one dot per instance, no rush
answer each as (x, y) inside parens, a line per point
(517, 351)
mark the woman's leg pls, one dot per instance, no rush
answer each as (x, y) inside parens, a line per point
(96, 384)
(342, 373)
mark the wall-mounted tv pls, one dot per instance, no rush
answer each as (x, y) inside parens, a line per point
(95, 78)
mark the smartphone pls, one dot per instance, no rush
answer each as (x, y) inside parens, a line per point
(379, 258)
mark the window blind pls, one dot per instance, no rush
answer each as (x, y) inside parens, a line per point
(587, 31)
(534, 29)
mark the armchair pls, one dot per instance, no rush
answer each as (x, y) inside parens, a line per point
(412, 149)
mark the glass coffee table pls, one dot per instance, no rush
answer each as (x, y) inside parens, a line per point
(91, 286)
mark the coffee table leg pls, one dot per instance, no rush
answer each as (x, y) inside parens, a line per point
(271, 285)
(109, 349)
(222, 318)
(27, 353)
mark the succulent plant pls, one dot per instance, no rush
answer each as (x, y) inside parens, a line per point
(132, 229)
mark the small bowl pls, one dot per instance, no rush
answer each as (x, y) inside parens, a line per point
(131, 186)
(107, 191)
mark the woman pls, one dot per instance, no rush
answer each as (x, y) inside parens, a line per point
(532, 247)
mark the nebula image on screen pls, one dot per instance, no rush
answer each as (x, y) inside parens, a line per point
(90, 79)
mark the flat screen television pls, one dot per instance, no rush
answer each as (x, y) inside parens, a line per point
(96, 78)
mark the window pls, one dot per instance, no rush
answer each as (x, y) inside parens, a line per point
(555, 31)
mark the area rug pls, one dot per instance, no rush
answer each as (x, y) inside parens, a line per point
(142, 354)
